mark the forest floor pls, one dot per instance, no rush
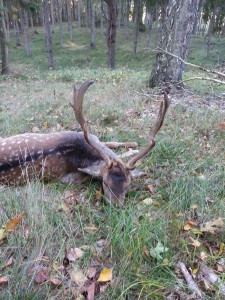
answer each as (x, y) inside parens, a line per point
(175, 214)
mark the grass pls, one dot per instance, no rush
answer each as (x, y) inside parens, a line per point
(186, 169)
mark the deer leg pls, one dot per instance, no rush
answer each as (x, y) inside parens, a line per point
(74, 177)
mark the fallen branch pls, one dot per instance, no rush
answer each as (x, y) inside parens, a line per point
(210, 278)
(190, 282)
(186, 63)
(115, 145)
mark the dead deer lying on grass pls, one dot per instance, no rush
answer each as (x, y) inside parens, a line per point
(66, 155)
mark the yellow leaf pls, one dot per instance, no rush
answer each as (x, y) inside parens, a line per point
(98, 194)
(187, 227)
(221, 248)
(105, 275)
(195, 243)
(203, 256)
(195, 271)
(147, 201)
(2, 234)
(14, 222)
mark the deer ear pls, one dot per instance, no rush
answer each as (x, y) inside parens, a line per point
(137, 174)
(94, 171)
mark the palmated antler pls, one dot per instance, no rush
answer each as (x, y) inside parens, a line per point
(77, 105)
(151, 142)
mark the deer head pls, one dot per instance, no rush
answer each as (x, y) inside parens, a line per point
(116, 175)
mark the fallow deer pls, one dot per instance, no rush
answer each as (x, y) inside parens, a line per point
(67, 155)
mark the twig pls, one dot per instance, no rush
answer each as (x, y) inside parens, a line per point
(115, 145)
(186, 63)
(207, 274)
(205, 78)
(190, 282)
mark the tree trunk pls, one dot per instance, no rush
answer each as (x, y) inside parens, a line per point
(111, 33)
(79, 13)
(137, 25)
(5, 70)
(92, 20)
(26, 32)
(16, 32)
(52, 16)
(48, 35)
(60, 22)
(69, 18)
(177, 20)
(126, 18)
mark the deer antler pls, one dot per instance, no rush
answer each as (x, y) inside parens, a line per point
(77, 105)
(151, 142)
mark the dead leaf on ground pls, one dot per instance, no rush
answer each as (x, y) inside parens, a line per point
(151, 188)
(41, 274)
(91, 291)
(14, 222)
(3, 280)
(213, 226)
(91, 272)
(55, 281)
(70, 197)
(77, 276)
(203, 256)
(74, 253)
(195, 243)
(105, 275)
(146, 252)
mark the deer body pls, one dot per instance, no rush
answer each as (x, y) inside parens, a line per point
(68, 156)
(54, 156)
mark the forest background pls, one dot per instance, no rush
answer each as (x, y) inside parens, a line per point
(174, 216)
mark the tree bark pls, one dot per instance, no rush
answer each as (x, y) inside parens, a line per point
(137, 25)
(5, 70)
(69, 19)
(60, 22)
(16, 32)
(111, 33)
(92, 20)
(79, 13)
(26, 32)
(52, 15)
(177, 20)
(48, 35)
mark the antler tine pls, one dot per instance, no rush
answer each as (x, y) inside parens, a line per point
(151, 142)
(77, 105)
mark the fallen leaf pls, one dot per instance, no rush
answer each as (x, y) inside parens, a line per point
(213, 226)
(14, 222)
(91, 228)
(105, 275)
(77, 276)
(55, 280)
(221, 248)
(70, 197)
(91, 272)
(74, 253)
(203, 256)
(91, 291)
(2, 234)
(151, 188)
(146, 252)
(195, 243)
(156, 252)
(35, 129)
(220, 268)
(147, 201)
(26, 231)
(42, 274)
(3, 279)
(98, 194)
(187, 227)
